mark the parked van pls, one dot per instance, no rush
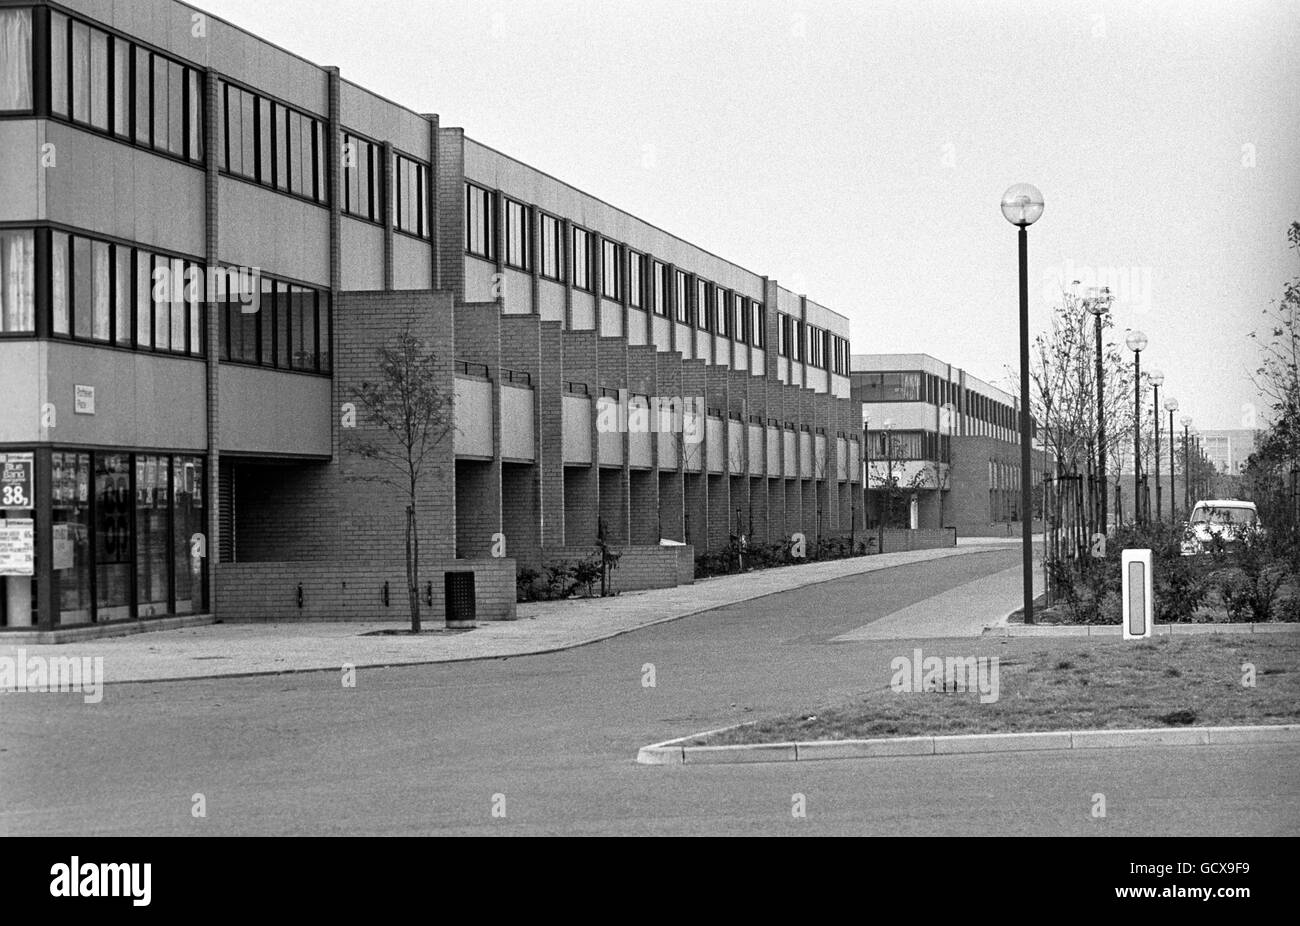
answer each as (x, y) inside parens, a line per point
(1225, 520)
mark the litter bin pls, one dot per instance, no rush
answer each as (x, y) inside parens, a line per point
(458, 591)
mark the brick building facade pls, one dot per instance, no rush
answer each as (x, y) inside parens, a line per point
(184, 449)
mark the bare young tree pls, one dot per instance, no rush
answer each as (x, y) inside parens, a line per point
(404, 417)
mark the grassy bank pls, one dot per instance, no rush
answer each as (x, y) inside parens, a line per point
(1094, 685)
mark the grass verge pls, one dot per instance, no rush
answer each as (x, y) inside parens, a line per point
(1192, 681)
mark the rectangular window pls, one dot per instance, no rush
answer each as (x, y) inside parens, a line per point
(702, 305)
(412, 195)
(60, 275)
(479, 221)
(660, 285)
(363, 176)
(277, 328)
(581, 259)
(740, 319)
(194, 140)
(80, 54)
(152, 517)
(518, 253)
(142, 76)
(635, 280)
(15, 60)
(113, 546)
(758, 325)
(304, 328)
(611, 279)
(162, 302)
(783, 343)
(162, 122)
(176, 109)
(99, 85)
(59, 26)
(143, 299)
(123, 277)
(121, 88)
(552, 246)
(17, 281)
(680, 306)
(102, 293)
(83, 287)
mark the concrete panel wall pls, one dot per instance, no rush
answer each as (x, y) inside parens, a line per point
(104, 186)
(273, 413)
(282, 235)
(141, 400)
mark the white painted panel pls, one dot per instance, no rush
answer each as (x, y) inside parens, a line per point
(577, 428)
(473, 415)
(517, 439)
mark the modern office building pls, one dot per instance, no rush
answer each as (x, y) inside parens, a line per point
(204, 242)
(943, 447)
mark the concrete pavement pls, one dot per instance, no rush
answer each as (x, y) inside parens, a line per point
(217, 650)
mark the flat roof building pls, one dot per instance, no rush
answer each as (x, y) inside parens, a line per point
(943, 447)
(204, 242)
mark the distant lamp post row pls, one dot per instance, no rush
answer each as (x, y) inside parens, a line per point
(1098, 301)
(1022, 206)
(1171, 406)
(1137, 343)
(1157, 379)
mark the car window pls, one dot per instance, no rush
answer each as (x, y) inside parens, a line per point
(1225, 515)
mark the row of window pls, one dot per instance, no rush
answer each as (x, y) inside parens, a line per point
(110, 293)
(812, 345)
(647, 279)
(116, 87)
(116, 294)
(272, 144)
(363, 186)
(909, 445)
(936, 390)
(276, 324)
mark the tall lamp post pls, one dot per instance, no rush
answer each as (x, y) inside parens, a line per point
(1098, 303)
(1171, 406)
(1022, 206)
(1187, 466)
(1157, 380)
(1137, 343)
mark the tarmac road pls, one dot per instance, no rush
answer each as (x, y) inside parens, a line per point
(550, 741)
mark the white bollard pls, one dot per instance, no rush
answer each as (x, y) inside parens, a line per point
(1138, 598)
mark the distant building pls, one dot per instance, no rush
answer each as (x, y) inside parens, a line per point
(951, 440)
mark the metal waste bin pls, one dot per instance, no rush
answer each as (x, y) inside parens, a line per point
(458, 594)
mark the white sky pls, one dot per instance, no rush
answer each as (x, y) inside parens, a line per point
(857, 151)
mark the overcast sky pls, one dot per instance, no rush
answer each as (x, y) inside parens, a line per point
(857, 151)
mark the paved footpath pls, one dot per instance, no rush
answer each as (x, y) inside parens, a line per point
(217, 650)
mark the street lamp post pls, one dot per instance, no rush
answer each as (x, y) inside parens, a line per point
(888, 435)
(1022, 206)
(1098, 303)
(1157, 380)
(1187, 466)
(1137, 343)
(1171, 406)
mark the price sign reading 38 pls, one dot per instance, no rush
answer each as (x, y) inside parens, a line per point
(16, 480)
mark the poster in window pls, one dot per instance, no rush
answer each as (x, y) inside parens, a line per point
(64, 555)
(17, 472)
(17, 547)
(83, 479)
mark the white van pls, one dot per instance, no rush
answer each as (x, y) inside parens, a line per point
(1227, 519)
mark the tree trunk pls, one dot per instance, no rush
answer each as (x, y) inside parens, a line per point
(412, 569)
